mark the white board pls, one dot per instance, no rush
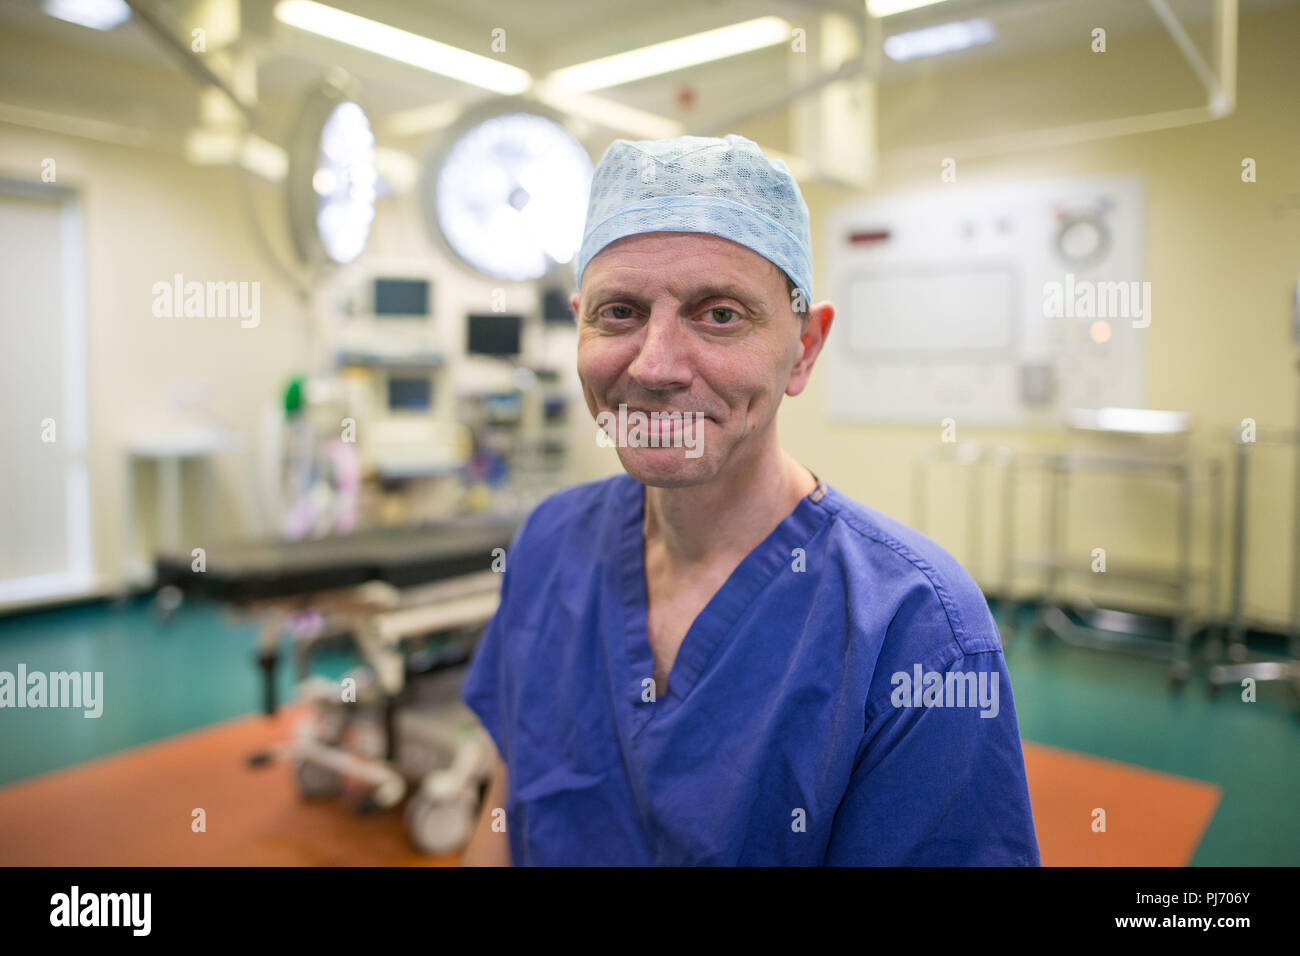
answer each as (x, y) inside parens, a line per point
(943, 307)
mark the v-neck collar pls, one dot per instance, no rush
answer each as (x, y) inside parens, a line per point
(715, 623)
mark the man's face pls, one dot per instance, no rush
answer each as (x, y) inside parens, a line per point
(689, 322)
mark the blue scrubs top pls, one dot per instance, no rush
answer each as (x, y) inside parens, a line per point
(787, 734)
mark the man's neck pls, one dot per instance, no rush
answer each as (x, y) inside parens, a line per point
(730, 515)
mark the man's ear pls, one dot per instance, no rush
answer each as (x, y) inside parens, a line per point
(820, 317)
(573, 305)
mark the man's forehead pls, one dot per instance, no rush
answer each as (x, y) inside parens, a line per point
(680, 262)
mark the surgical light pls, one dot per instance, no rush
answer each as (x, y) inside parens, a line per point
(944, 38)
(332, 178)
(509, 196)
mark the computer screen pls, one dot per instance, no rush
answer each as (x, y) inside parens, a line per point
(401, 297)
(494, 333)
(410, 394)
(554, 409)
(555, 306)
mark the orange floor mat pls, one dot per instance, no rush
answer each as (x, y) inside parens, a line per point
(134, 808)
(1152, 818)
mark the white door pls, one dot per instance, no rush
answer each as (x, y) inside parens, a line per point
(44, 513)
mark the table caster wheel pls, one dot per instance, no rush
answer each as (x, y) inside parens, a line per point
(439, 826)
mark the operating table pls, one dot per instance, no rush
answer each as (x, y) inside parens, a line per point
(382, 584)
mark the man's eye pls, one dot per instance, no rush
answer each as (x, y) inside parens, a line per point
(617, 312)
(721, 315)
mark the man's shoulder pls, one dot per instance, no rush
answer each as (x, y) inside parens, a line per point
(913, 575)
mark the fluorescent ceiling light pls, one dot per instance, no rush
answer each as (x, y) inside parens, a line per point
(945, 38)
(96, 14)
(887, 8)
(404, 47)
(671, 55)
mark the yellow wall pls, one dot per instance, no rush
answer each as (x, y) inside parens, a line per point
(1223, 258)
(147, 216)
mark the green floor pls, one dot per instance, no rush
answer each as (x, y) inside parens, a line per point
(160, 678)
(1121, 707)
(163, 678)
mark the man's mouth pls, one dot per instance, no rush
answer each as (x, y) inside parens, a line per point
(661, 422)
(661, 412)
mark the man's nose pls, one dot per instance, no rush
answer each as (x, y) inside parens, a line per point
(663, 361)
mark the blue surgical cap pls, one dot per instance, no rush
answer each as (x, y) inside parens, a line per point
(725, 187)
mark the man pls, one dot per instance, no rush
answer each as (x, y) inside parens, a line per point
(718, 658)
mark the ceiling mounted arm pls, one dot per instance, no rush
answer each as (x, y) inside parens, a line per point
(193, 63)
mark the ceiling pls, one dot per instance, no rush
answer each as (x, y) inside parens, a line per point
(127, 76)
